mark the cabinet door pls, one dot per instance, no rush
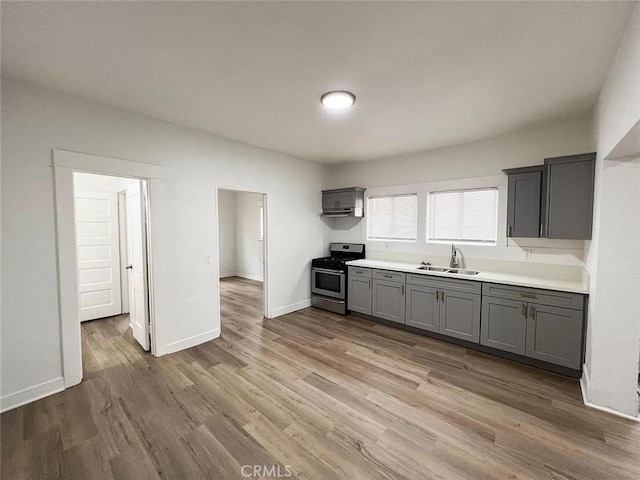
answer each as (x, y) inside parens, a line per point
(388, 300)
(503, 324)
(554, 335)
(460, 315)
(359, 295)
(338, 200)
(423, 308)
(523, 205)
(570, 199)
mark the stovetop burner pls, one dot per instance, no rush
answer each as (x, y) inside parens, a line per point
(340, 254)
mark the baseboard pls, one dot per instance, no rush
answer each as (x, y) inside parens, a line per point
(31, 394)
(278, 312)
(584, 387)
(242, 275)
(193, 341)
(250, 277)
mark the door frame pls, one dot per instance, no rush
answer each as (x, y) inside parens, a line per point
(64, 164)
(266, 313)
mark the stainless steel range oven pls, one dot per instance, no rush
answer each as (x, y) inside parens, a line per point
(329, 277)
(330, 283)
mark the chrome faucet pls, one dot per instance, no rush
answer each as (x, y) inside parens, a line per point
(455, 260)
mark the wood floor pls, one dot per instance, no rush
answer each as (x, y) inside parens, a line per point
(314, 395)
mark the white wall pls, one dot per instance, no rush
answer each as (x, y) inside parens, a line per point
(249, 247)
(241, 249)
(227, 232)
(613, 261)
(35, 121)
(446, 166)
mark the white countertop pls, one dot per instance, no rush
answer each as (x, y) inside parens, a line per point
(573, 286)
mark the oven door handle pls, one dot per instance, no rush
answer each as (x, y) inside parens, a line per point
(332, 272)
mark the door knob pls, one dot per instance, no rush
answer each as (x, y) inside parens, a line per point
(129, 267)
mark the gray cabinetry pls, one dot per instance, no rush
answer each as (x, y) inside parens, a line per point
(447, 306)
(423, 308)
(570, 196)
(540, 324)
(524, 202)
(554, 200)
(460, 315)
(554, 335)
(388, 300)
(504, 324)
(359, 294)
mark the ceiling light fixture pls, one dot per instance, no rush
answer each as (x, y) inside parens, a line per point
(338, 99)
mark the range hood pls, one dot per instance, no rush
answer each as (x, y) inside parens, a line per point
(343, 202)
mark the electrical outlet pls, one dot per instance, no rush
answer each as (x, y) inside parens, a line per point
(208, 258)
(526, 253)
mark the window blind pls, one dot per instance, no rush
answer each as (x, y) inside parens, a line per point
(465, 216)
(393, 217)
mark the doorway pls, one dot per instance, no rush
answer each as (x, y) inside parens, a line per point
(111, 251)
(65, 164)
(242, 253)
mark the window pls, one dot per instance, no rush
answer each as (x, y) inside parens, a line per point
(463, 216)
(393, 218)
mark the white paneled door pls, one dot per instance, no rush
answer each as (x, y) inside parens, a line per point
(98, 255)
(137, 242)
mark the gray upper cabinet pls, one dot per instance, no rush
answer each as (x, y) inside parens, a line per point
(423, 308)
(554, 335)
(359, 294)
(460, 315)
(570, 196)
(388, 300)
(554, 200)
(524, 202)
(343, 202)
(504, 324)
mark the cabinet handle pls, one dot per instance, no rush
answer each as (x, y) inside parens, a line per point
(532, 312)
(442, 296)
(524, 310)
(541, 230)
(403, 290)
(437, 296)
(528, 295)
(369, 284)
(509, 231)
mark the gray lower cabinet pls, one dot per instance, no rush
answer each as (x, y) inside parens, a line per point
(504, 324)
(554, 335)
(423, 308)
(388, 300)
(359, 295)
(460, 315)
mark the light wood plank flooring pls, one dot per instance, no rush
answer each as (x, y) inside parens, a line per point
(328, 396)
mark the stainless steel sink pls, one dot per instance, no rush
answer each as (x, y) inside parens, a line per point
(429, 268)
(462, 271)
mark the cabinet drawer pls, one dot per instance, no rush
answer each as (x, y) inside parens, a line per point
(389, 276)
(359, 272)
(544, 297)
(466, 286)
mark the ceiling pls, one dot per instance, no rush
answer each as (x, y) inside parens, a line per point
(426, 74)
